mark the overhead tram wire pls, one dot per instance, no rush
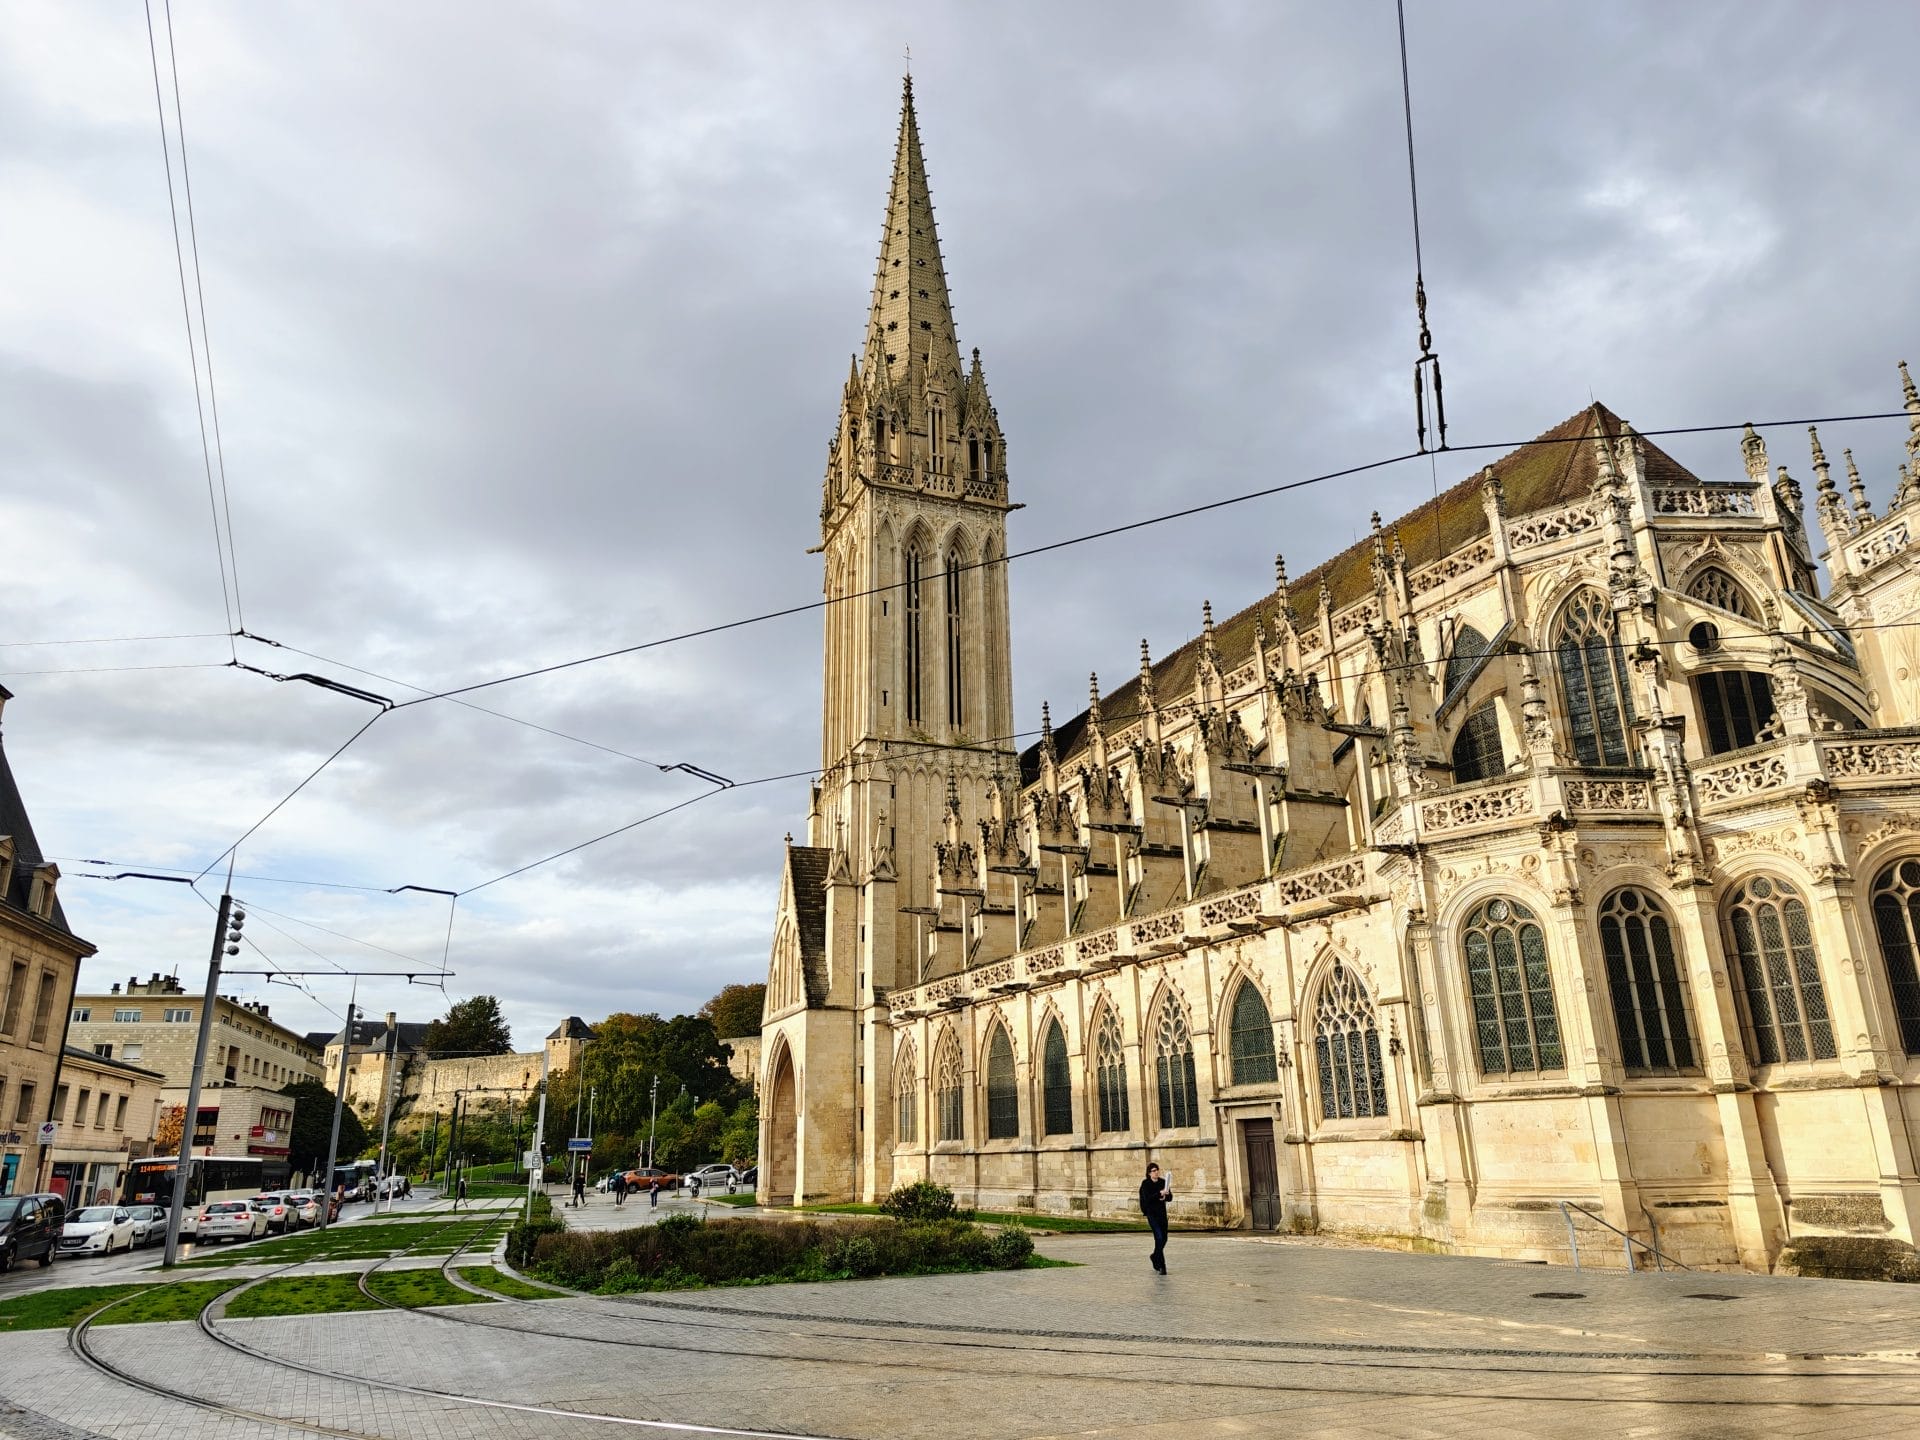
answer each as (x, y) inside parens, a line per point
(186, 314)
(113, 640)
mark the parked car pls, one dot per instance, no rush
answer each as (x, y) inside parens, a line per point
(749, 1177)
(30, 1228)
(277, 1208)
(231, 1220)
(149, 1224)
(306, 1206)
(645, 1175)
(97, 1230)
(712, 1177)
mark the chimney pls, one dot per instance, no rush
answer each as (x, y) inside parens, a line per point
(116, 988)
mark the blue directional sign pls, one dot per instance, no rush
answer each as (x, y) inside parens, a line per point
(577, 1144)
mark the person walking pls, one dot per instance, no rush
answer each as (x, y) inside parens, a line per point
(653, 1193)
(579, 1187)
(1155, 1192)
(620, 1189)
(461, 1198)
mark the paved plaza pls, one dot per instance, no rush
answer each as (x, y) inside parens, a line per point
(1247, 1336)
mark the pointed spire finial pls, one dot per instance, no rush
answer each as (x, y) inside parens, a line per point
(1280, 573)
(953, 793)
(1149, 697)
(1048, 755)
(1822, 472)
(1911, 395)
(1856, 491)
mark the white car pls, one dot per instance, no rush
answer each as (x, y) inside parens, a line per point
(712, 1177)
(149, 1224)
(231, 1220)
(278, 1208)
(306, 1206)
(97, 1230)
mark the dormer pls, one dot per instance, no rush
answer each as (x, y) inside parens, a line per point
(40, 892)
(6, 865)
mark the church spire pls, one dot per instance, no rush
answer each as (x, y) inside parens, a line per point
(911, 320)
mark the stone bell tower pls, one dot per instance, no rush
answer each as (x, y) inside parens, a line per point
(917, 704)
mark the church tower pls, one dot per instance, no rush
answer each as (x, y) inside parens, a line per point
(917, 705)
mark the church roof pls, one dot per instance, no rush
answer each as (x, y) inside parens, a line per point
(807, 867)
(1553, 469)
(911, 321)
(27, 854)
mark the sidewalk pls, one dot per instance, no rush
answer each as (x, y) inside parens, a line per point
(601, 1213)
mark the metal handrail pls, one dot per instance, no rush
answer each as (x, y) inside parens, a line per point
(1573, 1239)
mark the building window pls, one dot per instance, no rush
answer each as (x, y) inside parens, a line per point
(1515, 1027)
(1896, 916)
(1593, 681)
(100, 1112)
(81, 1014)
(120, 1113)
(126, 1017)
(1785, 1004)
(906, 1097)
(1468, 646)
(23, 1103)
(60, 1093)
(1643, 976)
(104, 1051)
(1477, 754)
(43, 1009)
(1173, 1068)
(1056, 1081)
(1718, 588)
(950, 1092)
(1346, 1050)
(16, 993)
(1250, 1040)
(915, 647)
(1110, 1066)
(177, 1017)
(79, 1111)
(1735, 705)
(956, 704)
(1003, 1094)
(133, 1052)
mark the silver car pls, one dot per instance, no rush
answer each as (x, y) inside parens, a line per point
(231, 1220)
(149, 1224)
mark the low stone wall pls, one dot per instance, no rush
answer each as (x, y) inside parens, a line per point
(428, 1086)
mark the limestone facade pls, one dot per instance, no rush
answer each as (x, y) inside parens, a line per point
(1560, 842)
(155, 1023)
(109, 1113)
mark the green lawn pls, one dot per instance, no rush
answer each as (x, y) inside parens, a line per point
(363, 1240)
(489, 1278)
(301, 1295)
(747, 1199)
(56, 1309)
(413, 1288)
(1032, 1220)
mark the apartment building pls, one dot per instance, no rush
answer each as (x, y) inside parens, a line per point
(108, 1112)
(156, 1023)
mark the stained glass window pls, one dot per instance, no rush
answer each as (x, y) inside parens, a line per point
(1346, 1050)
(906, 1090)
(949, 1090)
(1173, 1067)
(956, 707)
(1111, 1067)
(1515, 1026)
(1785, 1003)
(1593, 681)
(1468, 646)
(1003, 1094)
(1056, 1082)
(1734, 707)
(1477, 754)
(1717, 587)
(1896, 916)
(1644, 979)
(1251, 1038)
(915, 640)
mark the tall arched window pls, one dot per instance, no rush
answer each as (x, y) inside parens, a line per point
(1346, 1050)
(1477, 754)
(1110, 1066)
(1056, 1080)
(1643, 976)
(1251, 1038)
(949, 1090)
(1785, 1003)
(956, 667)
(915, 649)
(1717, 587)
(906, 1091)
(1735, 705)
(1593, 681)
(1003, 1095)
(1173, 1067)
(1896, 916)
(1514, 1023)
(1468, 646)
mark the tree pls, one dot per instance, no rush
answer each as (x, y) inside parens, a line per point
(470, 1027)
(313, 1125)
(735, 1011)
(166, 1140)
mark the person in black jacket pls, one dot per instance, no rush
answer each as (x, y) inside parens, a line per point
(1154, 1195)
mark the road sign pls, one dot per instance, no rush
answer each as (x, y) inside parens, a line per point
(49, 1131)
(530, 1159)
(578, 1145)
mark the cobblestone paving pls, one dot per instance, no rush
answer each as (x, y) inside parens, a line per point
(1245, 1337)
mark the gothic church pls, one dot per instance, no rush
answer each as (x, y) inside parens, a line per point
(1548, 862)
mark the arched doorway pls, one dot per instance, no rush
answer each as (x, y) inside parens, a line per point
(783, 1122)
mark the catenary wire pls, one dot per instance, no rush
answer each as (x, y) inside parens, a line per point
(312, 775)
(113, 640)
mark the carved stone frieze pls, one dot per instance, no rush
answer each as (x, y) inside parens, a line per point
(1476, 807)
(1725, 783)
(1548, 525)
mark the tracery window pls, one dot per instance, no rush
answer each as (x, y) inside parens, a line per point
(1717, 587)
(915, 640)
(1468, 646)
(1735, 705)
(1896, 916)
(906, 1090)
(1346, 1050)
(949, 1090)
(956, 704)
(1785, 1003)
(1515, 1026)
(1110, 1067)
(1643, 976)
(1056, 1081)
(1003, 1095)
(1250, 1038)
(1173, 1067)
(1593, 681)
(1477, 754)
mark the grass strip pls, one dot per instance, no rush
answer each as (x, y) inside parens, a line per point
(728, 1199)
(487, 1277)
(414, 1288)
(156, 1304)
(1031, 1220)
(363, 1241)
(300, 1295)
(57, 1309)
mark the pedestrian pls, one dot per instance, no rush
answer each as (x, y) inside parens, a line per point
(462, 1198)
(620, 1189)
(406, 1187)
(1155, 1192)
(653, 1193)
(579, 1188)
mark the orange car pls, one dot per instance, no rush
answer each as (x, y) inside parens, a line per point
(643, 1178)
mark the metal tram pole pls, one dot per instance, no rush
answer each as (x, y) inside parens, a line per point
(339, 1104)
(386, 1118)
(226, 941)
(536, 1147)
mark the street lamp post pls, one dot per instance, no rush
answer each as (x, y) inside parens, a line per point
(386, 1117)
(226, 941)
(339, 1104)
(653, 1114)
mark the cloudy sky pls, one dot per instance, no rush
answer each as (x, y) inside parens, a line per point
(529, 323)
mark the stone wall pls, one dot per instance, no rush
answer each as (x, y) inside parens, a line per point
(427, 1087)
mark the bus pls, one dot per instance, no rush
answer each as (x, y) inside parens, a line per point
(209, 1177)
(355, 1177)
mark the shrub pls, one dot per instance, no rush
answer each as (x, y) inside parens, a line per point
(922, 1200)
(523, 1239)
(854, 1255)
(1011, 1248)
